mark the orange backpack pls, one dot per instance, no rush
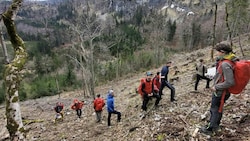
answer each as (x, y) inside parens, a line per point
(241, 75)
(98, 104)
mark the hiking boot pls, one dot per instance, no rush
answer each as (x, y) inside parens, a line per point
(206, 130)
(209, 131)
(142, 114)
(156, 107)
(173, 100)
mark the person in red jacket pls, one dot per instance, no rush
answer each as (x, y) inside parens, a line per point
(77, 105)
(98, 105)
(149, 90)
(157, 80)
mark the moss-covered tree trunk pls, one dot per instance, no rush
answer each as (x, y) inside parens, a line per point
(12, 75)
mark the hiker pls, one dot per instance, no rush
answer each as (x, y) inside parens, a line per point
(149, 90)
(222, 81)
(59, 111)
(164, 81)
(201, 69)
(157, 80)
(98, 105)
(77, 105)
(111, 107)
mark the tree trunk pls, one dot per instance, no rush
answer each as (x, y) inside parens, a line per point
(214, 29)
(228, 28)
(12, 75)
(242, 52)
(92, 70)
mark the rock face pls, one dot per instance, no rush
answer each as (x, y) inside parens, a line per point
(170, 121)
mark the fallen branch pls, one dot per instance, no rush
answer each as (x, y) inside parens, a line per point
(27, 122)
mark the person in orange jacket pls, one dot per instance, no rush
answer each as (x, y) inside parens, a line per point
(77, 105)
(149, 90)
(98, 105)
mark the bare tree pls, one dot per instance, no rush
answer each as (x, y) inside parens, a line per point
(86, 28)
(214, 30)
(12, 75)
(238, 18)
(228, 27)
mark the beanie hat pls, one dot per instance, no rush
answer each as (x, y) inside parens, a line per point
(149, 73)
(223, 47)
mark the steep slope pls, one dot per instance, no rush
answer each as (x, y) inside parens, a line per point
(171, 121)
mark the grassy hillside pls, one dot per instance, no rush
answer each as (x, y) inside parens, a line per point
(169, 122)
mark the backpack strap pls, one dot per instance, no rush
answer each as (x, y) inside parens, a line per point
(230, 62)
(220, 69)
(222, 101)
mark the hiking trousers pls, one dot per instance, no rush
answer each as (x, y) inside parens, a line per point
(146, 99)
(79, 112)
(198, 78)
(166, 83)
(215, 117)
(98, 116)
(114, 112)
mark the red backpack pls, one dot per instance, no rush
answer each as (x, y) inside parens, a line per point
(241, 75)
(98, 104)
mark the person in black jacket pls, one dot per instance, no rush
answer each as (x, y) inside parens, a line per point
(164, 81)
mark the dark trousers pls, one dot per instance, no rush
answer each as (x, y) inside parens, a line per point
(146, 98)
(114, 112)
(166, 83)
(216, 116)
(79, 112)
(198, 78)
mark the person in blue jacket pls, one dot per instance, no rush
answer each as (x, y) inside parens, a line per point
(110, 107)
